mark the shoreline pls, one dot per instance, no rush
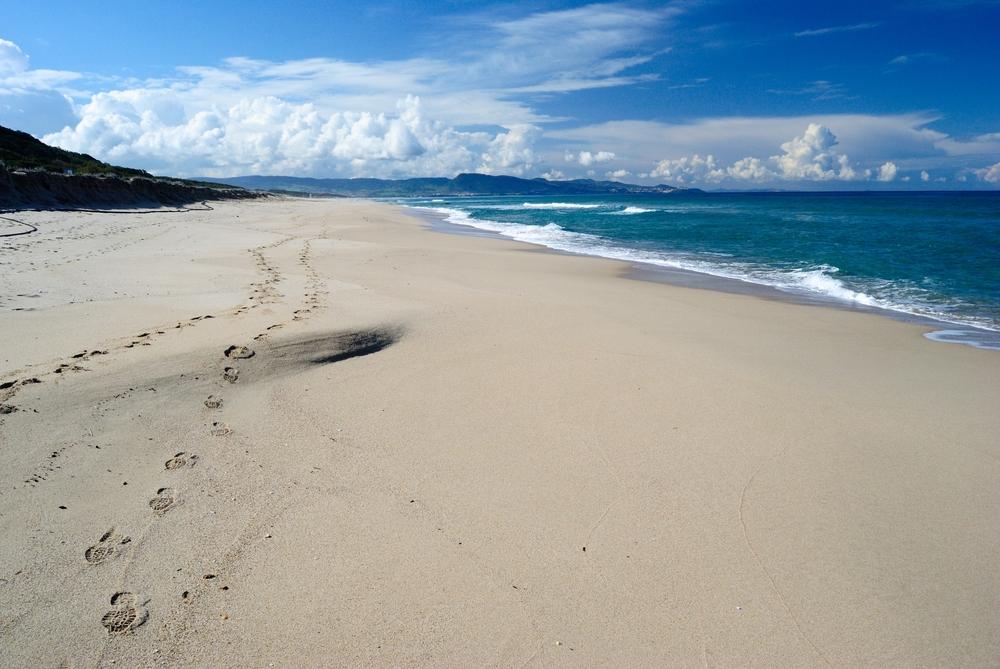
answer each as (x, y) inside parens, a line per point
(302, 433)
(936, 329)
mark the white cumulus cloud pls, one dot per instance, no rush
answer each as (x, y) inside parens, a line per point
(587, 158)
(688, 169)
(887, 171)
(271, 136)
(511, 152)
(990, 174)
(326, 116)
(868, 139)
(811, 157)
(12, 59)
(749, 169)
(421, 115)
(18, 79)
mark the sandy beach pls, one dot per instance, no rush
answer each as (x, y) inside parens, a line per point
(315, 433)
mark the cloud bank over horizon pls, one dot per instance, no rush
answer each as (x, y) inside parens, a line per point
(427, 116)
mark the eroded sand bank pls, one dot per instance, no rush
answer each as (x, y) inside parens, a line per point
(455, 451)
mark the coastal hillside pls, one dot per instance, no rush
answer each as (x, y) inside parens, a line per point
(463, 184)
(36, 175)
(21, 151)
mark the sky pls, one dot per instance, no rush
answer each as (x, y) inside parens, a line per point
(884, 94)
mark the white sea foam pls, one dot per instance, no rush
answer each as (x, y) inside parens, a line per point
(497, 207)
(634, 210)
(551, 235)
(977, 338)
(819, 281)
(560, 205)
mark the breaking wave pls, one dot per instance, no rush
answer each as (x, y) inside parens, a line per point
(818, 281)
(560, 205)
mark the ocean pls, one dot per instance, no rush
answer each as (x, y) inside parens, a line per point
(933, 256)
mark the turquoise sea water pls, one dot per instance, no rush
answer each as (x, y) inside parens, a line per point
(934, 255)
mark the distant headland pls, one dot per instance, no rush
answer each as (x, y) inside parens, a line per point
(463, 184)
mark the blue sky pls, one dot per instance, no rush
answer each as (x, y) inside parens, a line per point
(716, 94)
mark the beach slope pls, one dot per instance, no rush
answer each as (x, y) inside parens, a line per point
(314, 433)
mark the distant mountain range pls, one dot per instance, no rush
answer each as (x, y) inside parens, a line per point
(463, 184)
(33, 173)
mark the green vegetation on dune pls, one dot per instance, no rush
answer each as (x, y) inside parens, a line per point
(21, 151)
(36, 175)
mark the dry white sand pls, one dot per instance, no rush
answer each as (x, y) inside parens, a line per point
(453, 451)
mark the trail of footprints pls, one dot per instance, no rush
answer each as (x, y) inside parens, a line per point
(127, 613)
(262, 292)
(265, 290)
(50, 466)
(73, 236)
(312, 296)
(314, 284)
(72, 364)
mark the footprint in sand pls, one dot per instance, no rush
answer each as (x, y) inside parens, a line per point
(125, 615)
(239, 352)
(213, 402)
(231, 374)
(105, 547)
(64, 368)
(180, 460)
(220, 430)
(163, 502)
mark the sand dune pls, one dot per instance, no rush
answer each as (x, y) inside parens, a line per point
(313, 433)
